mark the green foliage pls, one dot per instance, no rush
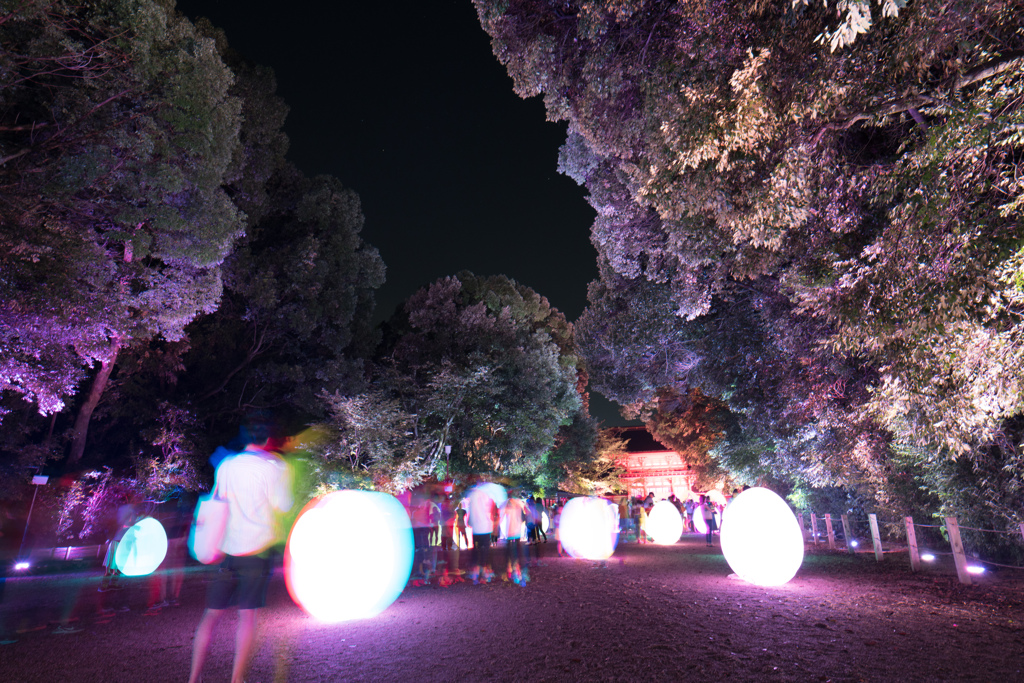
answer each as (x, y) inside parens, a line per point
(117, 131)
(484, 365)
(817, 225)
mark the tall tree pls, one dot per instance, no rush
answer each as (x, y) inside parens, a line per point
(850, 193)
(116, 133)
(484, 365)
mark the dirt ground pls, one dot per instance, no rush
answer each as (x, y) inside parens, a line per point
(651, 614)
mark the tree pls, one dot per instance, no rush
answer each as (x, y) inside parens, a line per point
(482, 364)
(295, 318)
(847, 198)
(116, 134)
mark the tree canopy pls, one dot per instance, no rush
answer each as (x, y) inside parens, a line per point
(483, 365)
(808, 214)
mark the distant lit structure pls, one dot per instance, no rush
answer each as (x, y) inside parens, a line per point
(652, 468)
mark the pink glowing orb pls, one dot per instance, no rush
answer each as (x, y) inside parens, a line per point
(664, 523)
(142, 548)
(762, 541)
(589, 528)
(349, 555)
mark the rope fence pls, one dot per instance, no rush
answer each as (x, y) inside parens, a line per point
(951, 528)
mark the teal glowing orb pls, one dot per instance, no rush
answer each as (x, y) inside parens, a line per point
(142, 548)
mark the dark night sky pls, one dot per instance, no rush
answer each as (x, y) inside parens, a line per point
(405, 103)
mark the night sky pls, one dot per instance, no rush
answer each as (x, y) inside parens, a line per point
(405, 103)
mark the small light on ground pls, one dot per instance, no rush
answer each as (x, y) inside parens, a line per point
(928, 557)
(21, 566)
(854, 544)
(975, 569)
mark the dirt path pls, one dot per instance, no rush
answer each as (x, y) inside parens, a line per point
(661, 613)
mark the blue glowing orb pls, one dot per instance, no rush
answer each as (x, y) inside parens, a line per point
(664, 523)
(589, 528)
(762, 541)
(142, 548)
(349, 555)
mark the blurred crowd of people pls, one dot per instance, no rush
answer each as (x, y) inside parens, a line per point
(457, 536)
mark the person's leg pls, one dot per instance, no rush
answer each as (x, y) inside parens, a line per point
(245, 640)
(201, 643)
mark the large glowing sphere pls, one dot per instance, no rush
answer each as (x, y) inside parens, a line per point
(664, 523)
(589, 528)
(349, 555)
(762, 541)
(142, 548)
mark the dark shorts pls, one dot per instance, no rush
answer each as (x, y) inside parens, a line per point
(242, 581)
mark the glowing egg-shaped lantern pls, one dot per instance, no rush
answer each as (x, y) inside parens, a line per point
(762, 541)
(700, 525)
(349, 555)
(589, 528)
(142, 548)
(664, 523)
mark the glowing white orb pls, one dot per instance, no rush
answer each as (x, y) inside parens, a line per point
(664, 524)
(762, 541)
(975, 569)
(349, 555)
(142, 548)
(854, 544)
(700, 525)
(22, 565)
(928, 557)
(589, 528)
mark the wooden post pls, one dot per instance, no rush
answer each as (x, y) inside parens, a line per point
(959, 558)
(876, 539)
(814, 528)
(847, 533)
(830, 532)
(915, 556)
(803, 528)
(1021, 524)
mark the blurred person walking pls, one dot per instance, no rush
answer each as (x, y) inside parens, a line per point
(256, 485)
(514, 514)
(707, 510)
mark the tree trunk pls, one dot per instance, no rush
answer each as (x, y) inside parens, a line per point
(85, 413)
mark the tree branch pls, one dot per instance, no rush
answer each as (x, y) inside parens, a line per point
(912, 103)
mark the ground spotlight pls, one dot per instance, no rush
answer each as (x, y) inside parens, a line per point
(975, 569)
(927, 557)
(21, 566)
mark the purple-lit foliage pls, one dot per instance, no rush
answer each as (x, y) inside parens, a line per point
(116, 133)
(819, 224)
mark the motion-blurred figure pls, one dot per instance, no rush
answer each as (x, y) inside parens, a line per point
(707, 510)
(483, 499)
(514, 514)
(257, 486)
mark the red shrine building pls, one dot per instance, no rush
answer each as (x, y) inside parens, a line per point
(652, 468)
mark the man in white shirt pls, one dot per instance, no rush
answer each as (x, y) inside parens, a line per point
(256, 484)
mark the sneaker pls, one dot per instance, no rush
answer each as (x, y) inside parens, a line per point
(67, 630)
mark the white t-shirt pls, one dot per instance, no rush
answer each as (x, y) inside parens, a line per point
(256, 485)
(480, 511)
